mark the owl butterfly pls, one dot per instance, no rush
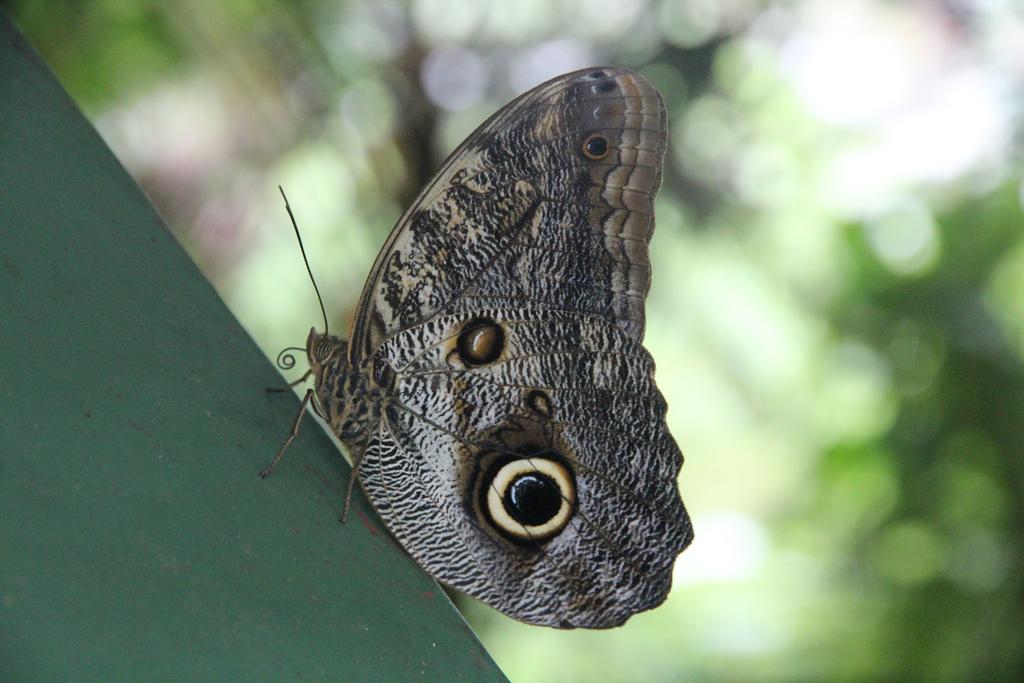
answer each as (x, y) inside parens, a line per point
(499, 406)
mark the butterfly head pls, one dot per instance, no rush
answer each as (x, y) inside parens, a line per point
(323, 350)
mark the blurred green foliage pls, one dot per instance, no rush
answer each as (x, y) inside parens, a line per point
(839, 269)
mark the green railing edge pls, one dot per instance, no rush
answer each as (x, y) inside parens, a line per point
(135, 539)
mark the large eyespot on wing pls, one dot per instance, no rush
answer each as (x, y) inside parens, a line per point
(549, 204)
(541, 479)
(524, 498)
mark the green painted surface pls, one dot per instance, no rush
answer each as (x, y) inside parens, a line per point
(136, 540)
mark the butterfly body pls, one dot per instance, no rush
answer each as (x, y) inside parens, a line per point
(495, 394)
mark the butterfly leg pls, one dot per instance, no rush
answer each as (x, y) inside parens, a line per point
(286, 387)
(353, 475)
(291, 437)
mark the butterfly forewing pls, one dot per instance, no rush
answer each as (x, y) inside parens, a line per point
(549, 204)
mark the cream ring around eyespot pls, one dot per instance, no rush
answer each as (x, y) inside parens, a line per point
(508, 474)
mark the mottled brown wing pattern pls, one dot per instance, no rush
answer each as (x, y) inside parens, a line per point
(604, 419)
(548, 204)
(498, 401)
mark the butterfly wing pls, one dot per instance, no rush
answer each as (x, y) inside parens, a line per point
(522, 455)
(548, 203)
(568, 395)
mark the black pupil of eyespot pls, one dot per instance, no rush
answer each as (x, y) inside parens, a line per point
(597, 146)
(533, 499)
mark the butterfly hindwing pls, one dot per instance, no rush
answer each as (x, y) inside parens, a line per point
(565, 387)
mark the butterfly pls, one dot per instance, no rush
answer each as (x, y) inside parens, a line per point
(494, 392)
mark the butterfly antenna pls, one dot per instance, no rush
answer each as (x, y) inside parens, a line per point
(305, 260)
